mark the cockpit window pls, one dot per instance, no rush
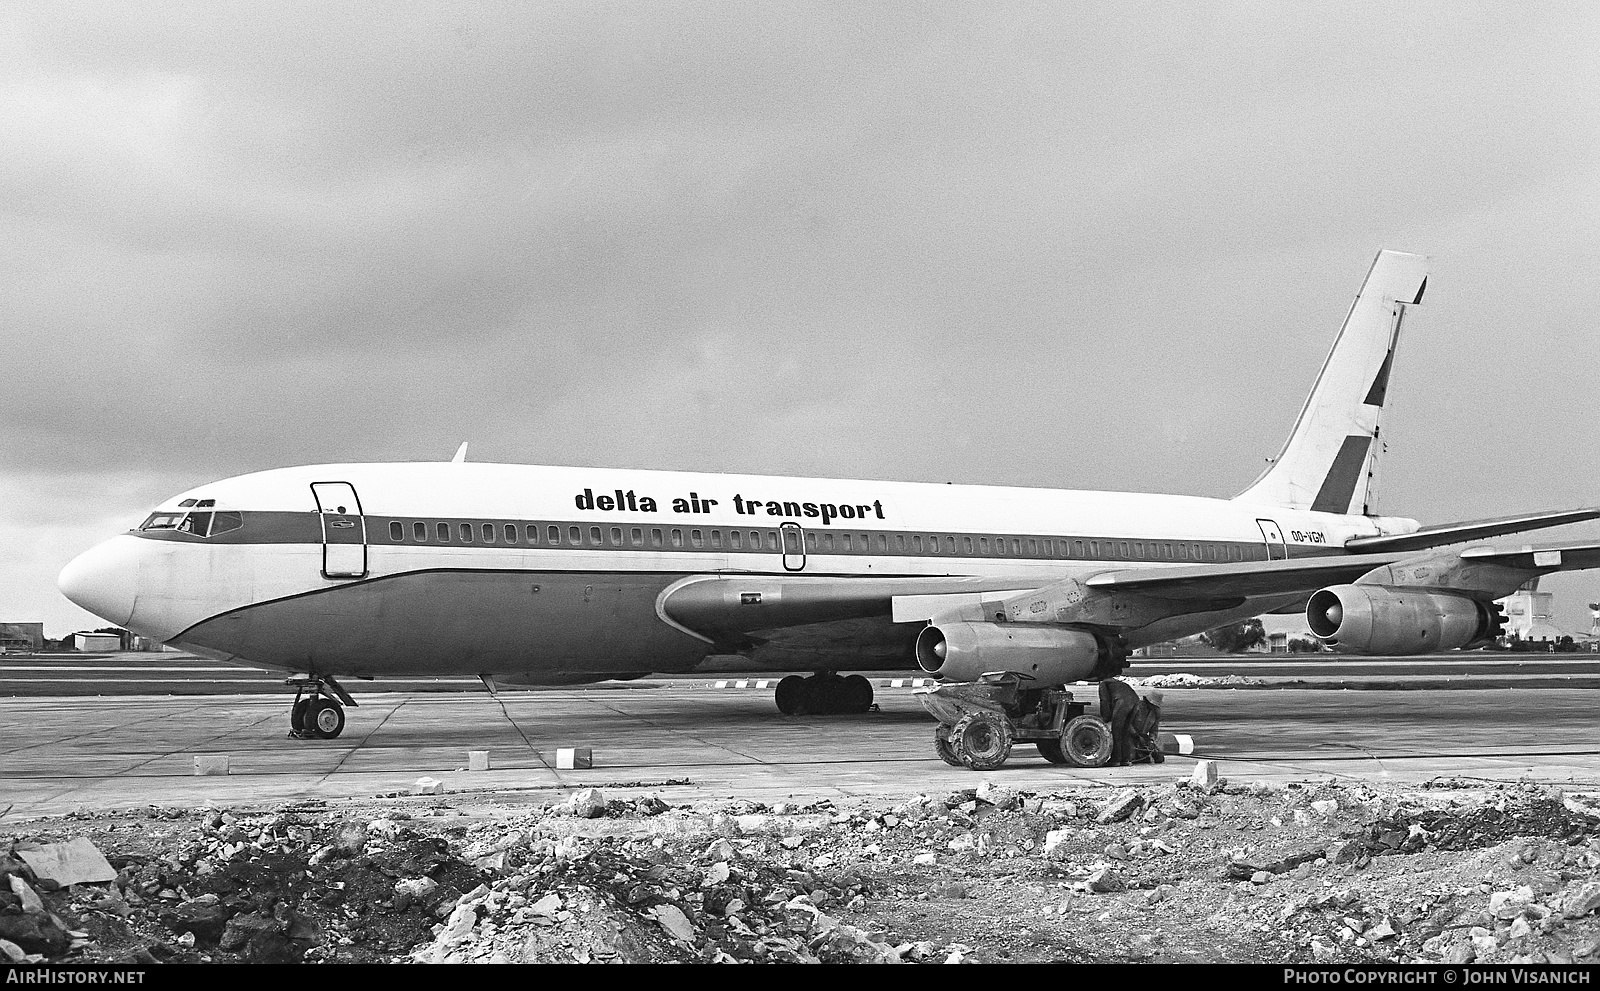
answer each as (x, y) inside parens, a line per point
(201, 524)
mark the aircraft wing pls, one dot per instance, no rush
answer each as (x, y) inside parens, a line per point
(1251, 578)
(874, 619)
(1455, 533)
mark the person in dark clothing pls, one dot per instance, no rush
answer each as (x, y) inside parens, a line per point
(1134, 723)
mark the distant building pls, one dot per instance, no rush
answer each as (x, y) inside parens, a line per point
(96, 642)
(1528, 613)
(22, 636)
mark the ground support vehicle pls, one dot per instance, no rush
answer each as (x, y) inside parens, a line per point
(980, 720)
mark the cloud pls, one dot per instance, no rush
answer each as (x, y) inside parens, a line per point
(1098, 246)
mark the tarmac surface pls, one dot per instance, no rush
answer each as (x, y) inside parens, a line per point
(688, 740)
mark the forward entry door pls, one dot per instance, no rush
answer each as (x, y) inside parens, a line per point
(794, 546)
(1274, 538)
(344, 532)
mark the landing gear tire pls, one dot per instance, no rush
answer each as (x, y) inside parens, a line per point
(324, 718)
(1051, 751)
(857, 694)
(1086, 742)
(793, 695)
(982, 740)
(942, 746)
(297, 715)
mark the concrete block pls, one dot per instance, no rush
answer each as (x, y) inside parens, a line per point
(574, 758)
(1176, 743)
(1205, 774)
(211, 764)
(477, 760)
(428, 786)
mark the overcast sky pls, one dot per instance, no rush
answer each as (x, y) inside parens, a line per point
(1064, 244)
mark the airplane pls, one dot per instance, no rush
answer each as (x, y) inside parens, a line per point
(528, 575)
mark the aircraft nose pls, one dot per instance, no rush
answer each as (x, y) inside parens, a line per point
(104, 580)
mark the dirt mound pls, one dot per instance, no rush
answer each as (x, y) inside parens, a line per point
(1309, 872)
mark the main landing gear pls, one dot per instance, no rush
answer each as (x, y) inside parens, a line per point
(824, 694)
(319, 715)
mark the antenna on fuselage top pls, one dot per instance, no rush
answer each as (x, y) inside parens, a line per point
(461, 454)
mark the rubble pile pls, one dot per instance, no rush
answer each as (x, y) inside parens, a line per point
(1193, 870)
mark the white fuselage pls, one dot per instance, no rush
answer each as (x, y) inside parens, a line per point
(504, 569)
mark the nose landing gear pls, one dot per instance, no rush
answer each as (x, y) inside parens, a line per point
(319, 715)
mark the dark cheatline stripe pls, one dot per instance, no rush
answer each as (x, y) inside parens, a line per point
(1380, 385)
(1340, 485)
(280, 527)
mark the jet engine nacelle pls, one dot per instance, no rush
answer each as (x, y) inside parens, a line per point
(1372, 619)
(1053, 655)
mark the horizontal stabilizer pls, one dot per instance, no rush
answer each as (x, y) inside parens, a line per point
(1455, 533)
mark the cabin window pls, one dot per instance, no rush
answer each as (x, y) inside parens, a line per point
(227, 520)
(574, 536)
(716, 539)
(511, 533)
(397, 531)
(596, 539)
(1094, 548)
(949, 545)
(636, 537)
(533, 533)
(736, 540)
(553, 535)
(1124, 548)
(488, 533)
(844, 541)
(983, 544)
(827, 542)
(695, 539)
(443, 530)
(1138, 548)
(1078, 546)
(677, 537)
(466, 533)
(616, 536)
(655, 537)
(933, 544)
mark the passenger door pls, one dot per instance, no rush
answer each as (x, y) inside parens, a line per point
(344, 531)
(1270, 533)
(793, 537)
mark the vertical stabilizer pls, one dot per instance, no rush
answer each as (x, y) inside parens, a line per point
(1332, 454)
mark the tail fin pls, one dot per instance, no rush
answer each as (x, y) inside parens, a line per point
(1332, 454)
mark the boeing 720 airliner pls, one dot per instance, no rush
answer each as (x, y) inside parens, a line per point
(541, 575)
